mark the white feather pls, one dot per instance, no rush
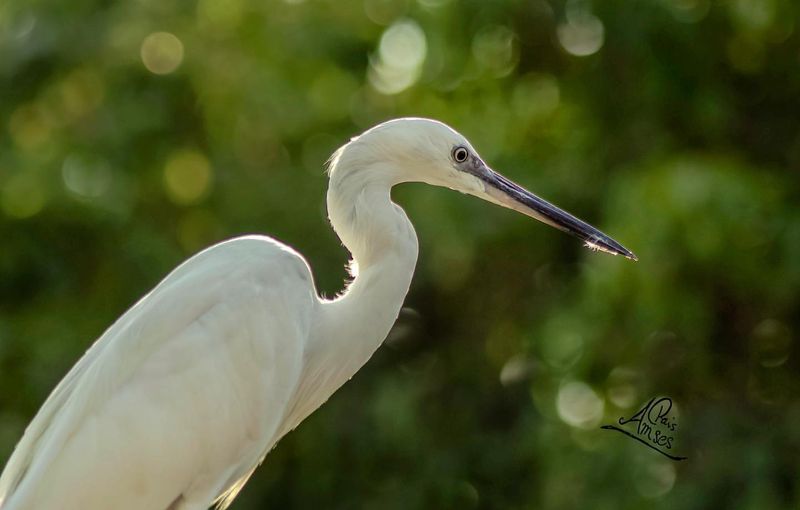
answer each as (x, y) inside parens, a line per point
(182, 397)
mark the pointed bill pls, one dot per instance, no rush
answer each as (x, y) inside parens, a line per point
(513, 196)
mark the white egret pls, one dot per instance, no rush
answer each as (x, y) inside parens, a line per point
(181, 398)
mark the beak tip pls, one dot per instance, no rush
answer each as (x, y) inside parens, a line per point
(612, 247)
(627, 253)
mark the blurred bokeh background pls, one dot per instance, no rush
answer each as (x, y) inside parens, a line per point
(134, 133)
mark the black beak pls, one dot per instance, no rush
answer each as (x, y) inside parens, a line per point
(509, 194)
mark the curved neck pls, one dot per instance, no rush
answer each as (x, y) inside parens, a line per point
(362, 213)
(384, 247)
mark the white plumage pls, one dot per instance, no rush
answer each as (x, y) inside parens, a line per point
(182, 397)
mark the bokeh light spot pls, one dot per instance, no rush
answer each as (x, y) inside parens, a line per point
(753, 15)
(536, 97)
(403, 45)
(162, 52)
(579, 405)
(19, 26)
(85, 178)
(187, 177)
(656, 479)
(518, 368)
(688, 11)
(401, 53)
(561, 351)
(583, 33)
(30, 126)
(622, 387)
(771, 342)
(22, 196)
(81, 92)
(495, 50)
(219, 15)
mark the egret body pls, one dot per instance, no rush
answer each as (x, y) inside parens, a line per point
(184, 395)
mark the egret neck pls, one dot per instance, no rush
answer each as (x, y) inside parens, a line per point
(384, 249)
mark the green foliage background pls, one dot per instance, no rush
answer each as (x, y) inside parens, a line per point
(677, 134)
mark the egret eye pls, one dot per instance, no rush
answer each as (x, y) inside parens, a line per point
(460, 154)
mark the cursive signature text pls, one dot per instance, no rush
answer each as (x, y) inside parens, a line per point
(654, 426)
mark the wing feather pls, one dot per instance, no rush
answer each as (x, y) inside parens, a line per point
(204, 364)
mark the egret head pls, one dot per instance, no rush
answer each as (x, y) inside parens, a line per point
(424, 150)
